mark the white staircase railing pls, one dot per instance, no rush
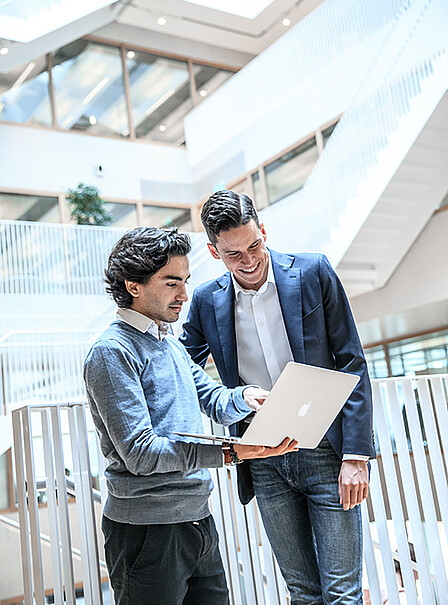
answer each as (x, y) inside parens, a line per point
(42, 367)
(43, 258)
(406, 83)
(411, 427)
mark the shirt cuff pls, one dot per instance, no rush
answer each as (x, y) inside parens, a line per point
(355, 457)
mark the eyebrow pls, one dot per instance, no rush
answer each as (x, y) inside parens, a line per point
(230, 250)
(175, 277)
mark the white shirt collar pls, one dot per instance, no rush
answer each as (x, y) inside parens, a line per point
(269, 280)
(142, 323)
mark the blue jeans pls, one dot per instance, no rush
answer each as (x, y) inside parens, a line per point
(317, 544)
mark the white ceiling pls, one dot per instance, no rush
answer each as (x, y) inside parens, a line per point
(216, 35)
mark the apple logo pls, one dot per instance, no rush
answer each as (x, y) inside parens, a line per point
(304, 409)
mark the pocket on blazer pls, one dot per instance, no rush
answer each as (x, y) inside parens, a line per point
(310, 317)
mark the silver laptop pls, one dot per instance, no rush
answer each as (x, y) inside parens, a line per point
(301, 405)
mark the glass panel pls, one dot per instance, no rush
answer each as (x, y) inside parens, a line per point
(326, 134)
(208, 79)
(160, 95)
(161, 216)
(123, 215)
(289, 173)
(24, 94)
(89, 91)
(29, 208)
(258, 197)
(426, 354)
(376, 361)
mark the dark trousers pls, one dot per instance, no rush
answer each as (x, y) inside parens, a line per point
(175, 564)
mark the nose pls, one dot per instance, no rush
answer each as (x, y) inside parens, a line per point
(182, 294)
(247, 258)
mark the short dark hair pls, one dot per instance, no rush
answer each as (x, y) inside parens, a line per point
(225, 210)
(138, 255)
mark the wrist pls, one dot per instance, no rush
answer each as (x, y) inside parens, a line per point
(230, 456)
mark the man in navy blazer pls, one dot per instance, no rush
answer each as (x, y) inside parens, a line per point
(268, 309)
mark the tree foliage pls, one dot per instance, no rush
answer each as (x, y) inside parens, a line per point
(87, 206)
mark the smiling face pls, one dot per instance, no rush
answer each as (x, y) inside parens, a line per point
(243, 251)
(163, 295)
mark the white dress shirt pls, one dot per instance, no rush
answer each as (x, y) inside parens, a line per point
(142, 323)
(261, 339)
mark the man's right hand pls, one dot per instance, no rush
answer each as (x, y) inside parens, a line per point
(246, 452)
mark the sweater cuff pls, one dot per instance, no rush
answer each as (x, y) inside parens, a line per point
(238, 399)
(209, 456)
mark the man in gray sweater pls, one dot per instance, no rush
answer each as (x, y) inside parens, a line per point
(161, 543)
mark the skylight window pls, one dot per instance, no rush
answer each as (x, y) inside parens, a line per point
(249, 8)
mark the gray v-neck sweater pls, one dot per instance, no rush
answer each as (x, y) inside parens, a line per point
(141, 389)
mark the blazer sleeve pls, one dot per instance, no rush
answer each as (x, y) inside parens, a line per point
(343, 339)
(193, 337)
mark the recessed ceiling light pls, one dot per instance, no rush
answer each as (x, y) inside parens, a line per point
(161, 20)
(203, 92)
(162, 127)
(4, 50)
(286, 22)
(92, 120)
(130, 54)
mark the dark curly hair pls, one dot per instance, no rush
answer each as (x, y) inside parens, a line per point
(138, 255)
(224, 210)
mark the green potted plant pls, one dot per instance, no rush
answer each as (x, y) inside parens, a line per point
(87, 206)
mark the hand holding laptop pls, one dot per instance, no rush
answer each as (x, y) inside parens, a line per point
(254, 397)
(245, 452)
(303, 403)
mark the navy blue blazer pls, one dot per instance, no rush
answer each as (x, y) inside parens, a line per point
(321, 332)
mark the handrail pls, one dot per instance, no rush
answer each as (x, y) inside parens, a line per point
(422, 400)
(371, 139)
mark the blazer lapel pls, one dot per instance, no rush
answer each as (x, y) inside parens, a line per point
(223, 304)
(289, 288)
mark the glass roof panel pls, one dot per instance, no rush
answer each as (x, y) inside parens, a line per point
(249, 8)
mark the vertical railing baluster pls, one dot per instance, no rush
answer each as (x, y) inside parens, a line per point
(56, 567)
(27, 568)
(33, 508)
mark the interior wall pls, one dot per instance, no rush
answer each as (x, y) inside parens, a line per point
(38, 159)
(196, 50)
(416, 296)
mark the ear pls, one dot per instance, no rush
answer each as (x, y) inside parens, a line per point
(263, 231)
(133, 288)
(213, 251)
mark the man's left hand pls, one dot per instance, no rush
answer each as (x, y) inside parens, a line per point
(254, 397)
(353, 483)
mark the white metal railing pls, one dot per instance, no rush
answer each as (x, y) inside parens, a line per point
(50, 420)
(317, 65)
(411, 427)
(43, 258)
(406, 83)
(38, 366)
(405, 79)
